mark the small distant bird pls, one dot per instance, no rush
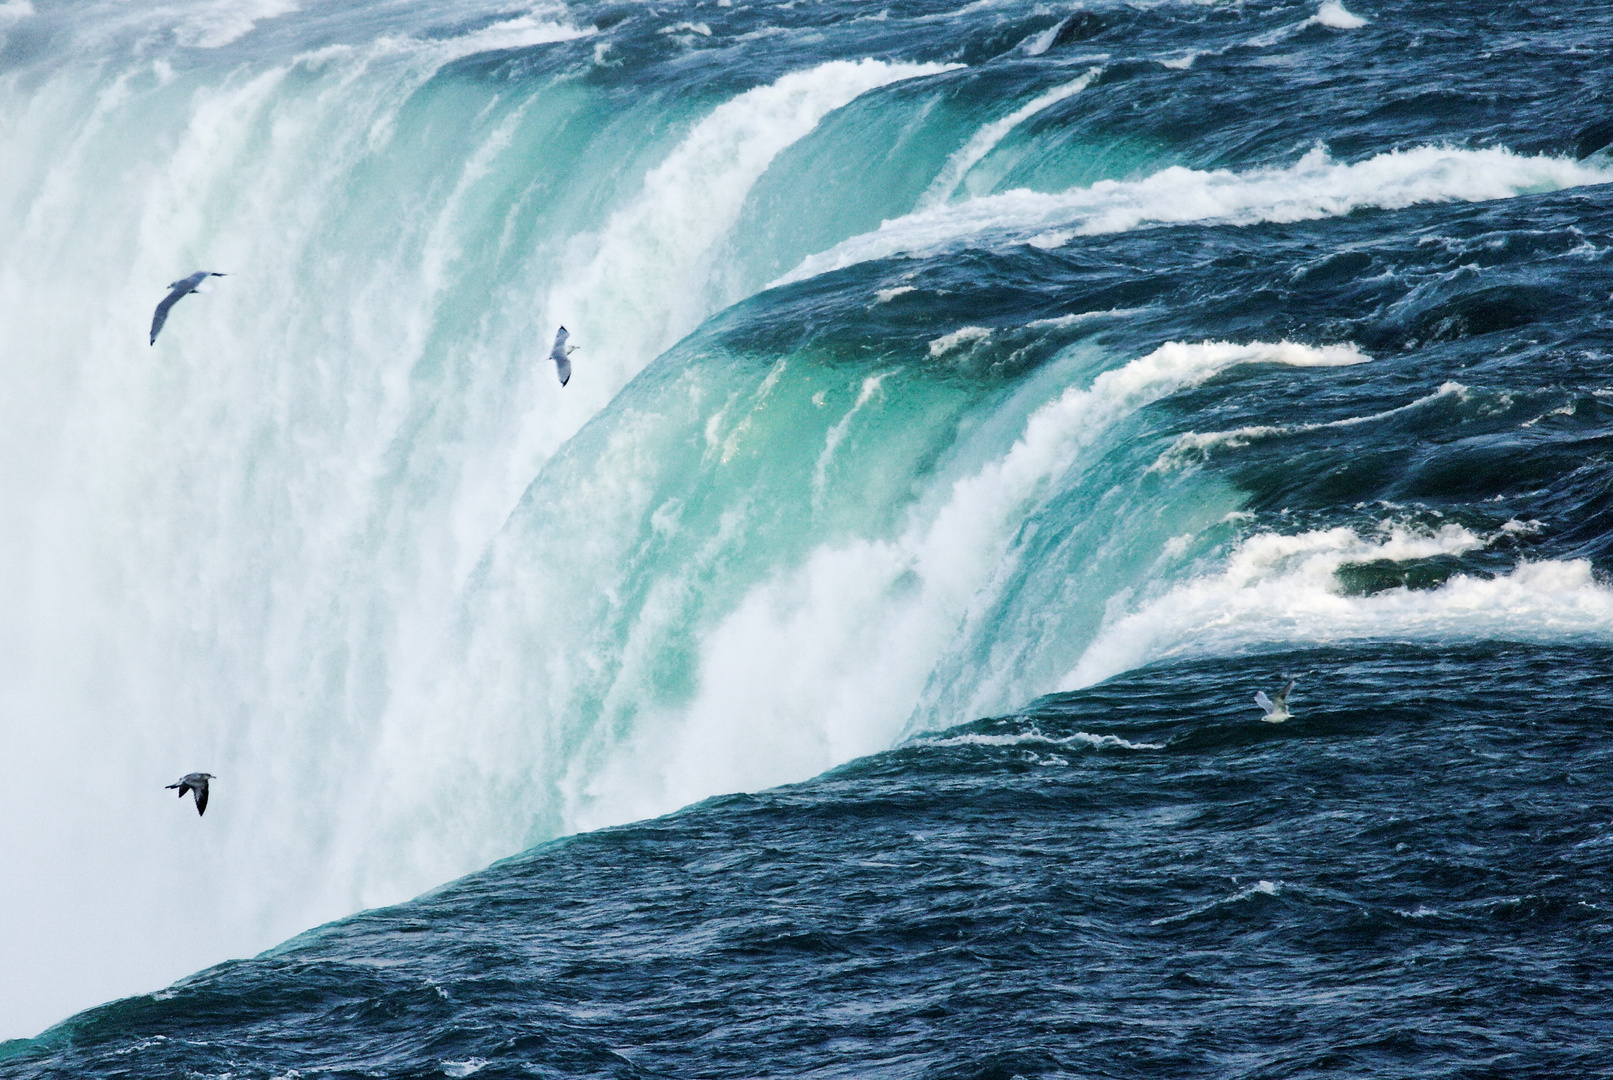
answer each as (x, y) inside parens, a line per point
(1276, 708)
(183, 287)
(196, 782)
(561, 355)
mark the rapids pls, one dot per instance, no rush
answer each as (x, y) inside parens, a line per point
(933, 359)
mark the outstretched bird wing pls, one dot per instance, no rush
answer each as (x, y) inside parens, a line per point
(1264, 702)
(558, 352)
(1282, 695)
(161, 314)
(183, 287)
(201, 799)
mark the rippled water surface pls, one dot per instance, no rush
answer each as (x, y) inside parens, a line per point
(1410, 877)
(976, 406)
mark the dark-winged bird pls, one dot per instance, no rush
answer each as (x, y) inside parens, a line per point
(197, 782)
(183, 287)
(561, 355)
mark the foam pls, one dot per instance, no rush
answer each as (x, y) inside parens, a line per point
(1192, 447)
(1332, 14)
(986, 139)
(871, 386)
(1316, 186)
(1248, 892)
(1283, 590)
(963, 336)
(539, 26)
(1036, 738)
(1040, 42)
(15, 10)
(1060, 322)
(214, 25)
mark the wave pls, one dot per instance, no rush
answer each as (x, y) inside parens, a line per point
(986, 139)
(1036, 738)
(1248, 892)
(1314, 187)
(1284, 591)
(1331, 14)
(1193, 447)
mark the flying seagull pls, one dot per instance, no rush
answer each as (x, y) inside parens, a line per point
(183, 287)
(561, 355)
(1276, 709)
(197, 782)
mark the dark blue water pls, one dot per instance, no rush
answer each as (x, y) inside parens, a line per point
(1131, 875)
(1412, 877)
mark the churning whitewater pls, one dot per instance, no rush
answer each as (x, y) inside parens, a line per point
(976, 404)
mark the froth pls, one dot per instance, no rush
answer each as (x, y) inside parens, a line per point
(1314, 187)
(211, 26)
(540, 26)
(1036, 738)
(1332, 14)
(1284, 590)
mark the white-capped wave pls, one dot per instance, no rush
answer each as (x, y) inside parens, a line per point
(539, 26)
(1038, 43)
(544, 24)
(986, 139)
(1332, 14)
(966, 335)
(1059, 322)
(1036, 738)
(1192, 447)
(214, 25)
(1248, 892)
(1314, 187)
(1284, 590)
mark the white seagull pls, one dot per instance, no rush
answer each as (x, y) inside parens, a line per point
(1276, 708)
(561, 355)
(181, 288)
(196, 782)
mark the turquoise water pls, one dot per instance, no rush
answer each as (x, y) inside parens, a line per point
(932, 361)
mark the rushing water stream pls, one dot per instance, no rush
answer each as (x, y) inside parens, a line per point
(933, 360)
